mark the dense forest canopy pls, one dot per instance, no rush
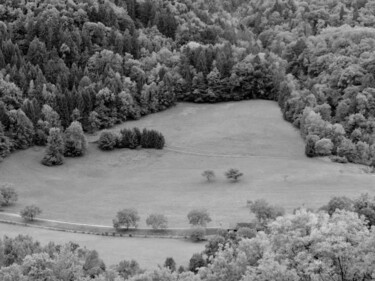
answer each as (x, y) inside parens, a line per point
(102, 62)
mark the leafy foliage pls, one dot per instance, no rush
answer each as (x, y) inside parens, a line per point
(54, 154)
(233, 174)
(8, 194)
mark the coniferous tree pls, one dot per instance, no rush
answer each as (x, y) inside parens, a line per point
(54, 154)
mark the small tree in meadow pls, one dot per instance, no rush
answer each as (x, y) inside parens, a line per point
(128, 139)
(55, 148)
(209, 175)
(8, 194)
(233, 174)
(199, 217)
(30, 212)
(126, 218)
(107, 141)
(157, 221)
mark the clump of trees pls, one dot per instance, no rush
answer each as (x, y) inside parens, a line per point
(131, 138)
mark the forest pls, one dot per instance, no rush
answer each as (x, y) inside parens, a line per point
(101, 62)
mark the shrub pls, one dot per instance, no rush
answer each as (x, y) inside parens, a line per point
(157, 221)
(30, 212)
(8, 194)
(209, 175)
(152, 139)
(128, 139)
(55, 148)
(246, 232)
(127, 218)
(197, 234)
(170, 264)
(107, 141)
(75, 140)
(233, 174)
(199, 217)
(338, 159)
(323, 147)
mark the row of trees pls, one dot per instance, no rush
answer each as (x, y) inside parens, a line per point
(334, 243)
(131, 138)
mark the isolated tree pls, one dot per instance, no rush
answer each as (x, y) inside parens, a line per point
(233, 174)
(170, 264)
(107, 141)
(55, 148)
(157, 221)
(30, 212)
(75, 140)
(209, 175)
(8, 194)
(126, 218)
(199, 217)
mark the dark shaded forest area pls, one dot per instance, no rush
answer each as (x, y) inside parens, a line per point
(103, 62)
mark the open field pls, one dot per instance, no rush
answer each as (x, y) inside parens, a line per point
(249, 135)
(149, 252)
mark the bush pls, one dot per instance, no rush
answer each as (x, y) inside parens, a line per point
(128, 139)
(209, 175)
(264, 212)
(75, 140)
(323, 147)
(152, 139)
(246, 232)
(9, 195)
(233, 174)
(127, 218)
(338, 159)
(30, 212)
(107, 141)
(157, 221)
(170, 264)
(197, 234)
(55, 148)
(199, 217)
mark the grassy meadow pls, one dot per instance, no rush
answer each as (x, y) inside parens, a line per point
(250, 135)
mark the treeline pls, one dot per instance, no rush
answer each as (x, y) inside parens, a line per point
(105, 62)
